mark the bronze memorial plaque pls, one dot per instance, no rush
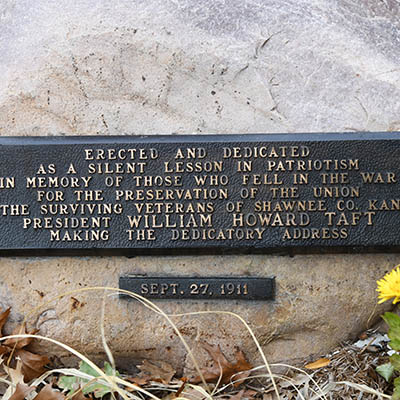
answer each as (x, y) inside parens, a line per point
(235, 193)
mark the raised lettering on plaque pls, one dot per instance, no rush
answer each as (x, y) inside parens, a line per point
(129, 195)
(199, 288)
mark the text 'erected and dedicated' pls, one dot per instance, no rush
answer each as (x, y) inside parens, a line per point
(254, 191)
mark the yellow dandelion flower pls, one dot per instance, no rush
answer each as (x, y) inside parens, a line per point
(389, 286)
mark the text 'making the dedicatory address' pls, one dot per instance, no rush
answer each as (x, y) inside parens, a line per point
(216, 193)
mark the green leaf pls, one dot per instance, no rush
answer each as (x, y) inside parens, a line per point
(394, 336)
(69, 383)
(109, 370)
(396, 393)
(98, 389)
(385, 370)
(87, 369)
(393, 320)
(395, 344)
(395, 361)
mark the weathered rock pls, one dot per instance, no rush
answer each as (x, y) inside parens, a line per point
(198, 67)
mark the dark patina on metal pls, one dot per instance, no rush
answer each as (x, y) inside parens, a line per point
(129, 195)
(199, 288)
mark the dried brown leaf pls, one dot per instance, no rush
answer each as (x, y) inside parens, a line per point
(32, 364)
(222, 369)
(138, 381)
(193, 393)
(21, 391)
(244, 394)
(47, 393)
(15, 375)
(149, 371)
(322, 362)
(267, 396)
(19, 343)
(297, 380)
(363, 336)
(3, 319)
(180, 390)
(4, 350)
(242, 367)
(79, 396)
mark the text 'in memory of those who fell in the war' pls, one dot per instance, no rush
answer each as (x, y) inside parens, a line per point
(238, 192)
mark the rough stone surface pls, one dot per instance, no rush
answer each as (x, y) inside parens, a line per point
(184, 66)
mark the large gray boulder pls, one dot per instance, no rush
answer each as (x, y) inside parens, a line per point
(96, 67)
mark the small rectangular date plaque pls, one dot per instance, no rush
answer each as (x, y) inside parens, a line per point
(214, 288)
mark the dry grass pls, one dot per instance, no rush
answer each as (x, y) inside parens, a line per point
(350, 374)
